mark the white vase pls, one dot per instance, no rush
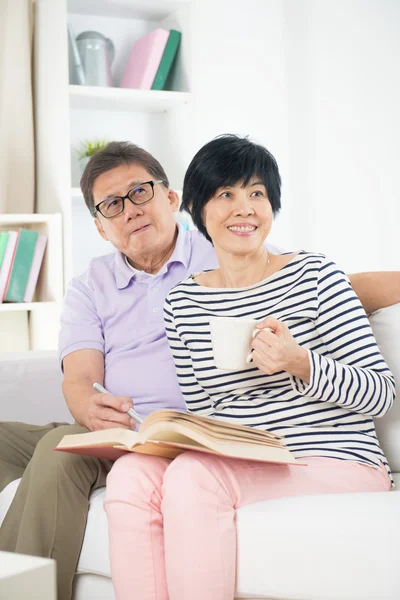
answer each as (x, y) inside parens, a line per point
(83, 162)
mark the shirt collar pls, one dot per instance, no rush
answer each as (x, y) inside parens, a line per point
(124, 273)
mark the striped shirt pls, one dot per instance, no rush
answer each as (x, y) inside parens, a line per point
(350, 383)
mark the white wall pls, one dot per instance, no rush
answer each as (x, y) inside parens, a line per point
(239, 79)
(316, 81)
(343, 69)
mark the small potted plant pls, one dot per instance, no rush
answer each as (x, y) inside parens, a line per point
(87, 148)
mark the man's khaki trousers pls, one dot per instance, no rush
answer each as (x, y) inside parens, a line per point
(48, 514)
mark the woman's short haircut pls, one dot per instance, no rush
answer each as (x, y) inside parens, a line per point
(114, 155)
(227, 160)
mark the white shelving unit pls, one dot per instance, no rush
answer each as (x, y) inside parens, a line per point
(34, 325)
(66, 114)
(122, 99)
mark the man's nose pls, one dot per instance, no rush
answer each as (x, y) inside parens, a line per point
(132, 210)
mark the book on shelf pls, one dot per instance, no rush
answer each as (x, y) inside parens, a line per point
(167, 59)
(169, 433)
(144, 60)
(3, 245)
(12, 240)
(21, 265)
(35, 268)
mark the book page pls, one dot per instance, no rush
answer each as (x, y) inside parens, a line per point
(211, 427)
(173, 431)
(106, 437)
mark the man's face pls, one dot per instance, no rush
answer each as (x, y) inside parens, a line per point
(139, 231)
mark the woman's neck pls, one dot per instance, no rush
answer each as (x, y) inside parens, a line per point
(242, 271)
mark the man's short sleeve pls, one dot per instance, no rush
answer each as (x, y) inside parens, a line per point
(81, 327)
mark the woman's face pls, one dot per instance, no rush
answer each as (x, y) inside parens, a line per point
(237, 218)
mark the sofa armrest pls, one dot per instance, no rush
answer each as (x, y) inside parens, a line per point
(30, 388)
(385, 324)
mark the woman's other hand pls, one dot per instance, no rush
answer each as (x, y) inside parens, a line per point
(275, 349)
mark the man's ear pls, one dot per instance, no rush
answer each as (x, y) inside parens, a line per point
(100, 229)
(173, 200)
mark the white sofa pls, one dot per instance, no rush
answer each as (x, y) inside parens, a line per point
(334, 547)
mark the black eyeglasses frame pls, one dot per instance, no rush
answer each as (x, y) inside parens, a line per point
(127, 197)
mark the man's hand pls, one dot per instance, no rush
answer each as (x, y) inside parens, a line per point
(92, 409)
(275, 349)
(106, 411)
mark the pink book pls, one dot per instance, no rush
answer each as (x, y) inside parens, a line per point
(35, 268)
(7, 263)
(144, 60)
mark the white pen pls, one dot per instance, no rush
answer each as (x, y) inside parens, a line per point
(132, 413)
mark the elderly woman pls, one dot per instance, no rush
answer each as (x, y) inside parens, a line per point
(316, 378)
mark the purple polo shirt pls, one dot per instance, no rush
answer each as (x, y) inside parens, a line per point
(119, 311)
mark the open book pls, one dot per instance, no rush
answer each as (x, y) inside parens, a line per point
(168, 433)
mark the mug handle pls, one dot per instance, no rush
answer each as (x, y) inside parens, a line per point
(253, 336)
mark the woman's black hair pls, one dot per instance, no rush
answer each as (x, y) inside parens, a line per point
(225, 161)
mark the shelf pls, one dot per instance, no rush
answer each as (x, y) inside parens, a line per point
(18, 306)
(124, 99)
(152, 10)
(23, 218)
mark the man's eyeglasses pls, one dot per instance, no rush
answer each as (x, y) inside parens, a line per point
(112, 207)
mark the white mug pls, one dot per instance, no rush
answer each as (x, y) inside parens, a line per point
(231, 339)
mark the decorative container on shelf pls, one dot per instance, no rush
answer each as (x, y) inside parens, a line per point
(97, 53)
(83, 161)
(87, 149)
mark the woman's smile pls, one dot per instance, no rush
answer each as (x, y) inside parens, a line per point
(242, 229)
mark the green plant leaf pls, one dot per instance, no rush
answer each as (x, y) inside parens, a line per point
(89, 147)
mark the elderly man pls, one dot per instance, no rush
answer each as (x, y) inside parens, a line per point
(112, 332)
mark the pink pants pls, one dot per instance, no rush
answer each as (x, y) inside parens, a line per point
(172, 524)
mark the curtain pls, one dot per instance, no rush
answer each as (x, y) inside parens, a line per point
(17, 154)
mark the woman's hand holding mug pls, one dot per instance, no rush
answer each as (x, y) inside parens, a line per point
(274, 349)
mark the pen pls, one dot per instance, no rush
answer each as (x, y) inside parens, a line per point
(132, 413)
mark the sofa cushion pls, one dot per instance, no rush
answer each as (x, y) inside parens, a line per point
(30, 388)
(385, 324)
(281, 541)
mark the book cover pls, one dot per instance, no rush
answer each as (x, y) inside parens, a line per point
(169, 433)
(167, 59)
(21, 266)
(35, 269)
(8, 258)
(144, 60)
(3, 245)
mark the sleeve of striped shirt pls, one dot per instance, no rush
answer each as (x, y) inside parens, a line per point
(197, 400)
(350, 370)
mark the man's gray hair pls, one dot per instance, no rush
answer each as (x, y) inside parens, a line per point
(114, 155)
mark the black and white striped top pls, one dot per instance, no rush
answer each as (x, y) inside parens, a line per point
(350, 382)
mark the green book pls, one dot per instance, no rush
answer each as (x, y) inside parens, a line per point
(3, 245)
(21, 265)
(167, 59)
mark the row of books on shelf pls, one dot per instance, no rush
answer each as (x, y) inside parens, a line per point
(21, 257)
(150, 62)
